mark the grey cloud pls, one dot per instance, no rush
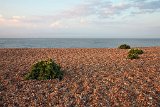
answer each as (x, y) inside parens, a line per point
(153, 5)
(145, 6)
(105, 9)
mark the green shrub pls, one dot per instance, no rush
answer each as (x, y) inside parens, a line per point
(124, 46)
(44, 70)
(136, 51)
(132, 56)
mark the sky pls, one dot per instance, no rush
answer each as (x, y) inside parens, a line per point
(79, 18)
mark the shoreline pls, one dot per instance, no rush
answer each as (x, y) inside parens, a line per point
(74, 47)
(92, 76)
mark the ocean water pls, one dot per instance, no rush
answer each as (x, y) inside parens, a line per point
(75, 43)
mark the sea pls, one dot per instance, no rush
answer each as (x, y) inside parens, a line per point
(76, 42)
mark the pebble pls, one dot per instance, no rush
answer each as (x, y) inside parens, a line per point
(87, 73)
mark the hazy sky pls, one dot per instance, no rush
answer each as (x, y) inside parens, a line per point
(80, 18)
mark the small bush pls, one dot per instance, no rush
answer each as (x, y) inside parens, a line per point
(124, 46)
(133, 56)
(136, 51)
(45, 70)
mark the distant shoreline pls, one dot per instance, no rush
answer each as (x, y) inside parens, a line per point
(78, 48)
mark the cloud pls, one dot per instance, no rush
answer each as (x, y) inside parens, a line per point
(145, 6)
(83, 21)
(18, 17)
(1, 16)
(89, 12)
(17, 22)
(8, 22)
(150, 5)
(58, 25)
(106, 9)
(114, 9)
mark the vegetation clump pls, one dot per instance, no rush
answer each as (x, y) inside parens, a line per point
(44, 70)
(124, 46)
(133, 53)
(132, 56)
(136, 51)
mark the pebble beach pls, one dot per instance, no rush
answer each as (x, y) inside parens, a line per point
(93, 77)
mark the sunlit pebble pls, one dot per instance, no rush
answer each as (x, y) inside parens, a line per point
(150, 98)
